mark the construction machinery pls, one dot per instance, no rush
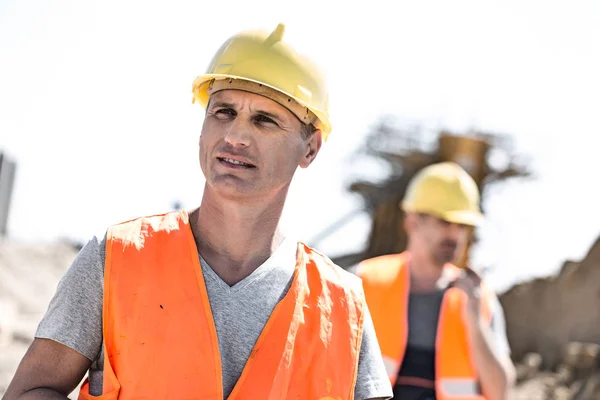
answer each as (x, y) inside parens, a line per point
(487, 157)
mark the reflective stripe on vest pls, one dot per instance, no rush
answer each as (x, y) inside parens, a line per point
(386, 282)
(459, 388)
(160, 338)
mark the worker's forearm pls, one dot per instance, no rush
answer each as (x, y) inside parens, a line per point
(41, 393)
(494, 377)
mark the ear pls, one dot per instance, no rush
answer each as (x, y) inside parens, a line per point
(410, 222)
(312, 147)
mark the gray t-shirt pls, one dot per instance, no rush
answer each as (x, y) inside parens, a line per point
(74, 316)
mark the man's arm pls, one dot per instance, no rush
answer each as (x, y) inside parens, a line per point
(496, 371)
(490, 347)
(49, 370)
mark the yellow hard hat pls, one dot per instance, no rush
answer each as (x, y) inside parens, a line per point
(259, 62)
(444, 190)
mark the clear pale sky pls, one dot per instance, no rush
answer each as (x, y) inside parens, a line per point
(95, 106)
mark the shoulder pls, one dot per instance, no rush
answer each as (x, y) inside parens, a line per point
(153, 220)
(74, 315)
(497, 321)
(494, 307)
(382, 261)
(381, 270)
(491, 297)
(91, 256)
(133, 230)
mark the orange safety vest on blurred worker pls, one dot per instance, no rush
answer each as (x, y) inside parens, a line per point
(160, 338)
(386, 283)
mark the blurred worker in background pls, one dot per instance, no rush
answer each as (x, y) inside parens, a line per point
(218, 303)
(440, 328)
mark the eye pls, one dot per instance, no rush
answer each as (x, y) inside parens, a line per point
(265, 120)
(444, 223)
(225, 112)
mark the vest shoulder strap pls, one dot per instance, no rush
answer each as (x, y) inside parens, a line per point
(332, 273)
(381, 271)
(135, 231)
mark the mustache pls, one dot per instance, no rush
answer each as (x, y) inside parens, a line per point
(449, 243)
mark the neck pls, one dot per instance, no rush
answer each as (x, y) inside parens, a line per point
(425, 273)
(236, 238)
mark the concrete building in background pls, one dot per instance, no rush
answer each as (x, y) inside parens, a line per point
(7, 177)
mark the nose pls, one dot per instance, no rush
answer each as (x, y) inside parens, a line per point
(238, 133)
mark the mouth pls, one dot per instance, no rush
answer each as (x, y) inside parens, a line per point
(233, 163)
(449, 247)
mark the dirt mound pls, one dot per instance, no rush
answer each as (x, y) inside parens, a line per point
(554, 331)
(29, 274)
(544, 315)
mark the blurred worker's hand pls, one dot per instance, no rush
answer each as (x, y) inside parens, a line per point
(470, 282)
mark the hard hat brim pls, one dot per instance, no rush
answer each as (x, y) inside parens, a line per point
(201, 96)
(470, 218)
(463, 218)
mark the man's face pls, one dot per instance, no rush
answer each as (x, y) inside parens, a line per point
(250, 146)
(442, 240)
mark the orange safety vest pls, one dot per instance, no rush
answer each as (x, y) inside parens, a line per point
(386, 283)
(160, 338)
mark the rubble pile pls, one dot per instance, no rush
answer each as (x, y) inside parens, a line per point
(553, 326)
(576, 377)
(29, 274)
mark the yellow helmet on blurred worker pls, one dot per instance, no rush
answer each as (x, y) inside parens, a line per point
(261, 63)
(444, 190)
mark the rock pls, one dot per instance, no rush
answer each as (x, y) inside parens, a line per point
(534, 388)
(590, 353)
(590, 389)
(531, 365)
(562, 393)
(565, 374)
(572, 354)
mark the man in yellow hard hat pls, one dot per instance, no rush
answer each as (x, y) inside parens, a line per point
(218, 303)
(440, 328)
